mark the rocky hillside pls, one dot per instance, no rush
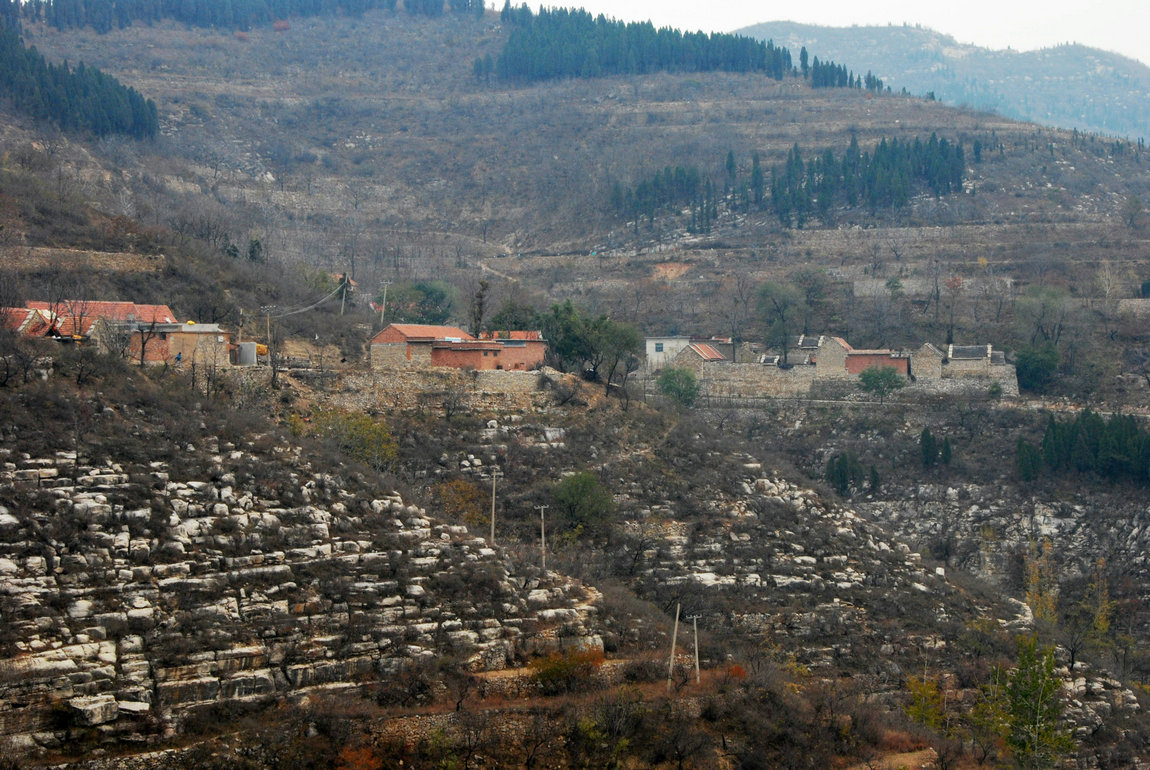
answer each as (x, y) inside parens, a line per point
(136, 594)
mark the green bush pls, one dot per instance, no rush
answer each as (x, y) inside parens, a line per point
(680, 385)
(1036, 366)
(583, 500)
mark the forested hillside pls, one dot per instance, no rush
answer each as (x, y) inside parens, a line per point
(78, 99)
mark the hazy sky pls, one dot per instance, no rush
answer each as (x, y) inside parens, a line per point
(1122, 26)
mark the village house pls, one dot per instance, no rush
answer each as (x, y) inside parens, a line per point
(814, 358)
(137, 331)
(695, 355)
(401, 346)
(26, 321)
(186, 344)
(77, 319)
(660, 352)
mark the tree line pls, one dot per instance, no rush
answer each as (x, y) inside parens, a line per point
(106, 15)
(75, 99)
(830, 75)
(558, 43)
(1117, 448)
(799, 189)
(885, 178)
(670, 189)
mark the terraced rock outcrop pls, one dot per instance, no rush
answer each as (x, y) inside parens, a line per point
(132, 597)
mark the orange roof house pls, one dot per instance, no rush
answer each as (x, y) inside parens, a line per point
(522, 349)
(76, 318)
(696, 354)
(25, 321)
(422, 345)
(859, 361)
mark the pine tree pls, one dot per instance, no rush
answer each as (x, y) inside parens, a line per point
(928, 448)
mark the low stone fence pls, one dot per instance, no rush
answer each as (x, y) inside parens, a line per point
(445, 390)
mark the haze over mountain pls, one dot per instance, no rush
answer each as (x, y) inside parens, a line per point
(1068, 86)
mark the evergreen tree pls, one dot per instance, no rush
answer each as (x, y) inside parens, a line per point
(1029, 460)
(1037, 736)
(874, 481)
(928, 447)
(757, 181)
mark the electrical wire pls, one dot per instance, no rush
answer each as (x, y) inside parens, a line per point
(313, 306)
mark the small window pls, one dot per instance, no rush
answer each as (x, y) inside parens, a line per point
(485, 353)
(658, 347)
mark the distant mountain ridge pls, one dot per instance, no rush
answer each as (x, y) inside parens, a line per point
(1069, 86)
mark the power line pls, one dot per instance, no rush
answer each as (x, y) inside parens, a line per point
(313, 306)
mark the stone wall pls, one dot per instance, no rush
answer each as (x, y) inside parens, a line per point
(876, 287)
(399, 355)
(730, 380)
(1138, 307)
(967, 367)
(441, 389)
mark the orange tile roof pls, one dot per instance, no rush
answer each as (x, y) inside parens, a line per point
(706, 352)
(17, 318)
(428, 331)
(76, 317)
(843, 342)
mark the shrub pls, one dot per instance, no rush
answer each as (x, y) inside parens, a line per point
(679, 385)
(1036, 366)
(881, 381)
(358, 436)
(583, 500)
(567, 672)
(463, 501)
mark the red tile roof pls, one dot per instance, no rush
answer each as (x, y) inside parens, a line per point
(427, 331)
(76, 317)
(843, 342)
(706, 352)
(17, 318)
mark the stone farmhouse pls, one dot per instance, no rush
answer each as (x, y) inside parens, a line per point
(661, 351)
(422, 346)
(814, 359)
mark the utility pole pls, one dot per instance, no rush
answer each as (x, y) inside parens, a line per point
(674, 638)
(342, 292)
(543, 533)
(383, 307)
(695, 622)
(494, 474)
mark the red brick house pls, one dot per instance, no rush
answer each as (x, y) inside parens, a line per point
(421, 345)
(522, 350)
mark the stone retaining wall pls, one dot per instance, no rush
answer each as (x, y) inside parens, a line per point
(442, 390)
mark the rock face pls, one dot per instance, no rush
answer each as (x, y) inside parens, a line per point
(130, 599)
